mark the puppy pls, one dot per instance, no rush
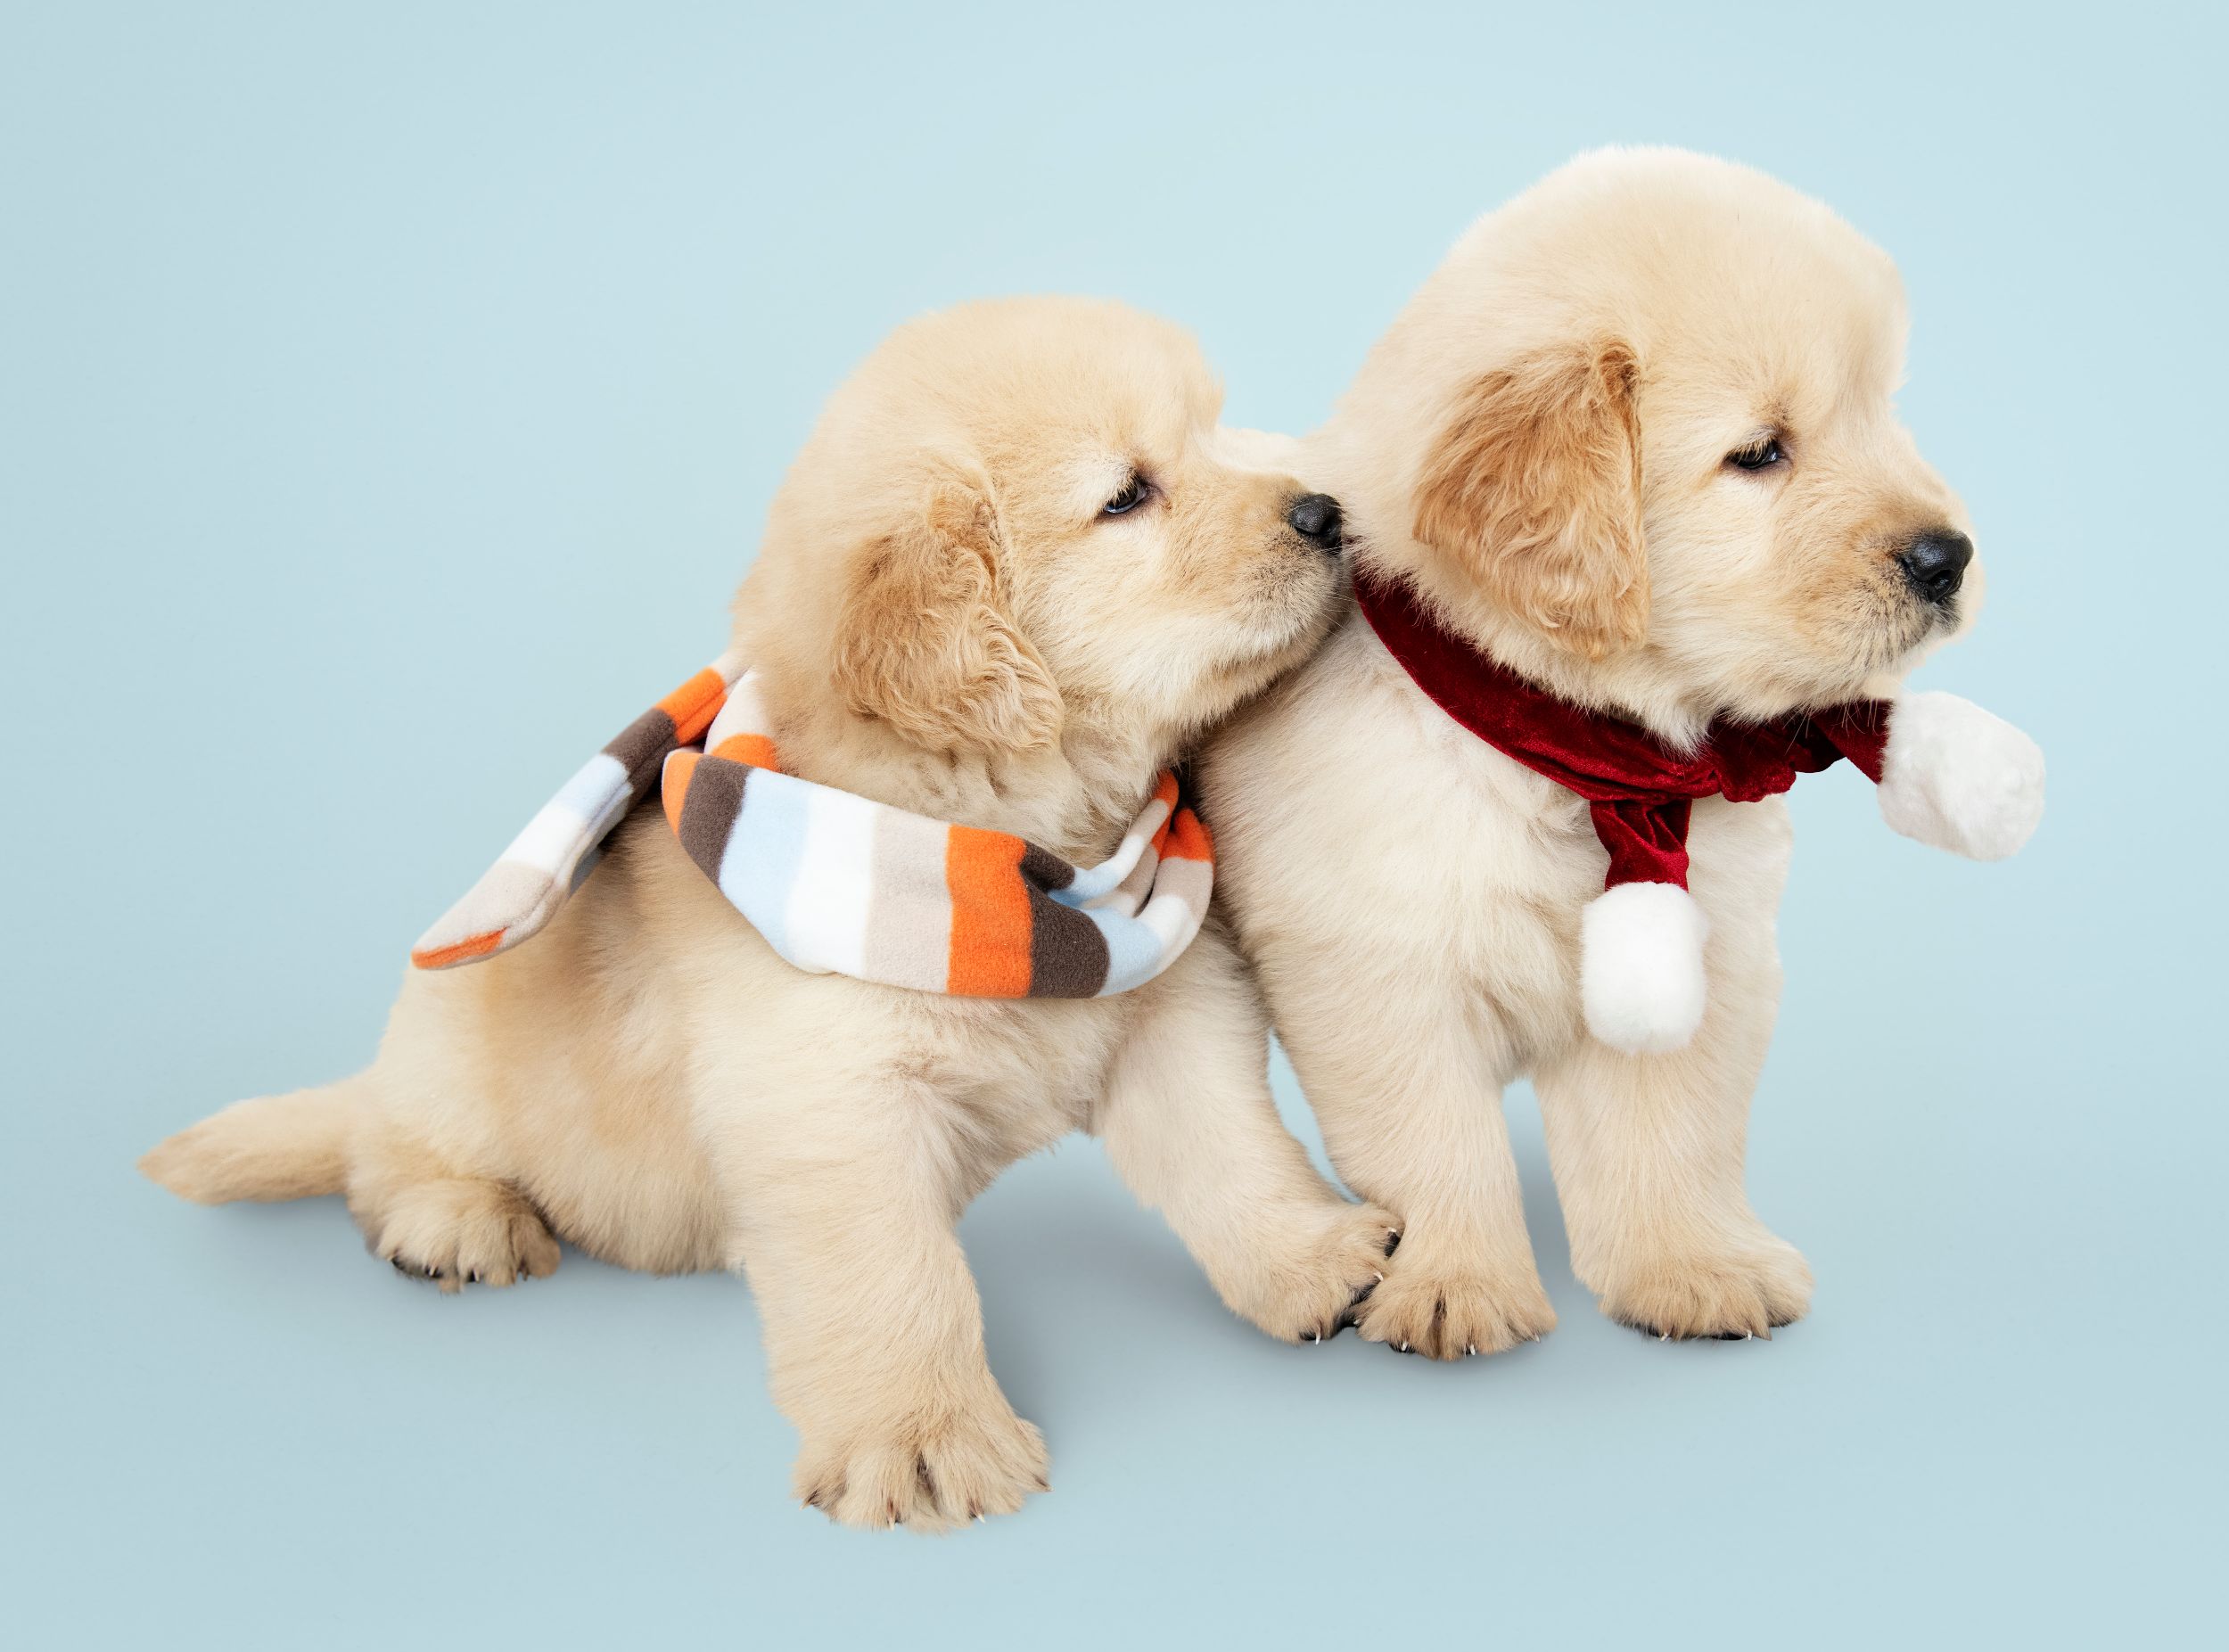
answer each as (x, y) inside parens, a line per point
(1634, 442)
(1009, 578)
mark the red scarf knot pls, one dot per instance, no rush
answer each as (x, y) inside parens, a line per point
(1639, 790)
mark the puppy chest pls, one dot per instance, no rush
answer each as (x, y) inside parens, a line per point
(1017, 1076)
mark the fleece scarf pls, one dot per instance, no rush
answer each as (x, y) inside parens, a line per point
(1638, 790)
(1950, 774)
(836, 883)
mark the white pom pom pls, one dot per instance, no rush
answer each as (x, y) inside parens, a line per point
(1640, 966)
(1961, 779)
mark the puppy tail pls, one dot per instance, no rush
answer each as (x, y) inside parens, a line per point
(275, 1147)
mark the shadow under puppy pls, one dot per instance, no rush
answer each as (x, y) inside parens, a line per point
(1010, 577)
(1635, 533)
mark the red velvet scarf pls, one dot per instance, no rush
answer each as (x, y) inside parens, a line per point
(1639, 789)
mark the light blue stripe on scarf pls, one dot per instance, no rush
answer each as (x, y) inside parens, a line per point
(1134, 951)
(760, 868)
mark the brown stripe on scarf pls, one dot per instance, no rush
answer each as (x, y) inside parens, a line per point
(641, 746)
(1068, 957)
(1045, 870)
(708, 814)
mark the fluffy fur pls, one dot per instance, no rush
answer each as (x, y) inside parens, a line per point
(946, 621)
(1542, 445)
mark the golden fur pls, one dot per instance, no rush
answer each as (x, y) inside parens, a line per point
(944, 622)
(1540, 443)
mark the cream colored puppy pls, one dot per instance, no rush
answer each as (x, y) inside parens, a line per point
(1634, 440)
(1008, 579)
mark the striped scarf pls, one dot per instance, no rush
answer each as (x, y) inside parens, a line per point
(840, 885)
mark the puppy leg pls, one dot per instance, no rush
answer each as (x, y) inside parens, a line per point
(435, 1220)
(1647, 1158)
(1401, 1072)
(1189, 1123)
(873, 1331)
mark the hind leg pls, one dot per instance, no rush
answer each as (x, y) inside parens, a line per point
(435, 1222)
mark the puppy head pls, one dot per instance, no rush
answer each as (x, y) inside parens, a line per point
(1655, 438)
(1017, 526)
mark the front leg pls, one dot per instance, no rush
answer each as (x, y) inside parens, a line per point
(843, 1208)
(1189, 1123)
(1399, 1062)
(1648, 1156)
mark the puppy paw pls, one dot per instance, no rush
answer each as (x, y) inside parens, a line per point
(458, 1231)
(931, 1472)
(1455, 1314)
(1308, 1268)
(1747, 1290)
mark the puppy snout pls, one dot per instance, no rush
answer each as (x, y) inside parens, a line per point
(1315, 518)
(1935, 563)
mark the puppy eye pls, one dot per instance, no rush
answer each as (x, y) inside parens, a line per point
(1759, 455)
(1134, 493)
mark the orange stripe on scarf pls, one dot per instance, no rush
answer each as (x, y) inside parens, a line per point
(991, 915)
(755, 750)
(473, 946)
(1166, 792)
(1188, 838)
(693, 705)
(679, 768)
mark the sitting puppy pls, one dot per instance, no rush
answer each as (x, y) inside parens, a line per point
(1009, 578)
(1630, 511)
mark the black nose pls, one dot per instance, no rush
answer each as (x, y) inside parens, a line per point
(1936, 564)
(1315, 518)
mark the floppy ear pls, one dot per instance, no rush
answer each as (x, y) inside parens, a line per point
(1534, 489)
(925, 645)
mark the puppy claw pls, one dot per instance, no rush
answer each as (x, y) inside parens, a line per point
(1738, 1293)
(928, 1471)
(1302, 1269)
(461, 1231)
(1420, 1310)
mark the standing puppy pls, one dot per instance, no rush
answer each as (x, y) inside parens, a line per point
(1010, 577)
(1626, 492)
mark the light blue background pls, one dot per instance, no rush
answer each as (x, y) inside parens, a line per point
(389, 398)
